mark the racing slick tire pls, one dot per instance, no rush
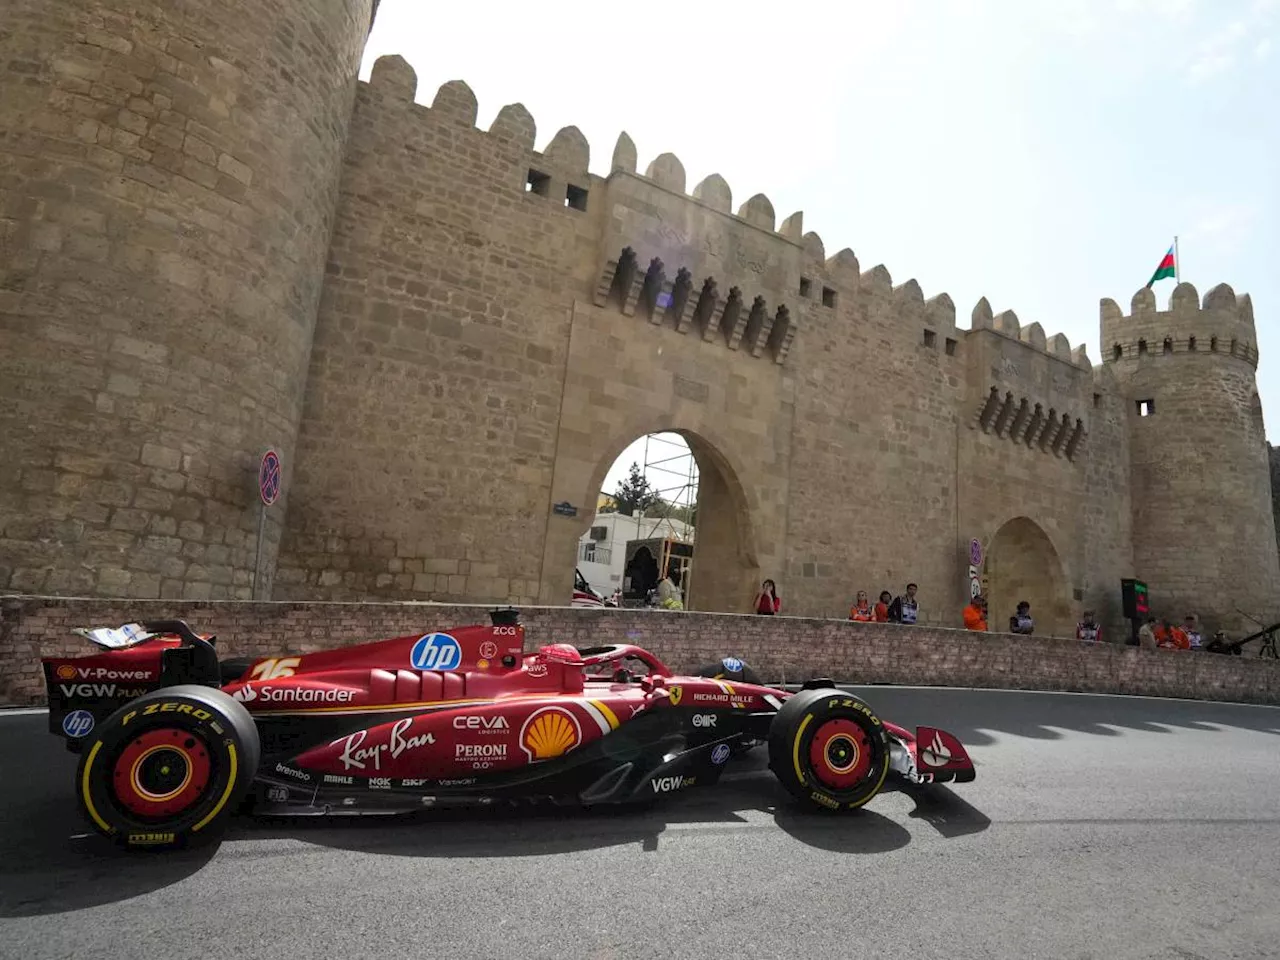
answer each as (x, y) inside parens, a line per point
(732, 669)
(167, 769)
(829, 749)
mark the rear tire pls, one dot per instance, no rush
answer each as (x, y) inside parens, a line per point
(167, 769)
(829, 749)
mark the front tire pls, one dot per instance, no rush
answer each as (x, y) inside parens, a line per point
(829, 749)
(167, 769)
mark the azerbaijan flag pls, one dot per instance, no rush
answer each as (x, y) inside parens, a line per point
(1166, 268)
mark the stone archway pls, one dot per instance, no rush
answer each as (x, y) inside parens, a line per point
(1023, 564)
(725, 570)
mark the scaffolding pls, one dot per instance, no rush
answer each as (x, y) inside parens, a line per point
(669, 456)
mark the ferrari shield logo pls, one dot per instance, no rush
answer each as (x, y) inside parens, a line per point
(675, 694)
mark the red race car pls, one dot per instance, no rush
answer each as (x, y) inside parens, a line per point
(171, 740)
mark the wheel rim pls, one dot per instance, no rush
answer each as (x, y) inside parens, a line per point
(162, 773)
(840, 754)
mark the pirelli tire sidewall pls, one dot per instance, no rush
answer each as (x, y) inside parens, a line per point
(215, 721)
(791, 736)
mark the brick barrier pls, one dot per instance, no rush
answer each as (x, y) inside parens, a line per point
(790, 648)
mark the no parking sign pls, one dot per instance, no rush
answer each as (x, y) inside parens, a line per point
(269, 477)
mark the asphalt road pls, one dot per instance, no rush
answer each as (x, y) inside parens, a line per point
(1098, 827)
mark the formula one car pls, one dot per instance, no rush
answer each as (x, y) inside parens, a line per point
(172, 741)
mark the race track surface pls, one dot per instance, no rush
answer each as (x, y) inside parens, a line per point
(1098, 827)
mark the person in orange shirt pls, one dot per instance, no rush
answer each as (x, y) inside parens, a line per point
(861, 610)
(1171, 638)
(882, 607)
(975, 614)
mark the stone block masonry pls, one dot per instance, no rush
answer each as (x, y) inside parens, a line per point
(789, 648)
(214, 239)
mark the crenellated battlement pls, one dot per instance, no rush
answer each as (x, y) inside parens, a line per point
(1220, 324)
(690, 262)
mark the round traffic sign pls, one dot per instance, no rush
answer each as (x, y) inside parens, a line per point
(269, 477)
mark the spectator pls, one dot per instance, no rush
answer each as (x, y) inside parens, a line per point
(882, 607)
(905, 609)
(975, 614)
(1147, 634)
(669, 595)
(1021, 621)
(1169, 637)
(862, 611)
(1191, 625)
(1089, 629)
(768, 603)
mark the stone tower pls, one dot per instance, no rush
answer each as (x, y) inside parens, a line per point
(1204, 536)
(170, 171)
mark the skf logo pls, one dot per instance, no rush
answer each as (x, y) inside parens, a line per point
(675, 693)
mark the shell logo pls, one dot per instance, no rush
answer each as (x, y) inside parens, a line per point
(66, 672)
(549, 732)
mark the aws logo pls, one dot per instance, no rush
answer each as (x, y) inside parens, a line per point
(675, 693)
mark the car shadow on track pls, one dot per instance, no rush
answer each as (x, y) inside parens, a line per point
(52, 864)
(746, 802)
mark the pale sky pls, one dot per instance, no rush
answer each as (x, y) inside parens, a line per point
(1041, 154)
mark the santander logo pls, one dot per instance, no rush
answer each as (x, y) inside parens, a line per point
(317, 695)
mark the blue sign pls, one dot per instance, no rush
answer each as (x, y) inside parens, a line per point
(720, 754)
(436, 651)
(269, 477)
(77, 723)
(732, 664)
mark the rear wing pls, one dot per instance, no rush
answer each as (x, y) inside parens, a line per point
(116, 638)
(132, 634)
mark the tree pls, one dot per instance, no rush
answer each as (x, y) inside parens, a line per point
(635, 493)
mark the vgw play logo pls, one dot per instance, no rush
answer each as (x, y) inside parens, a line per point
(436, 651)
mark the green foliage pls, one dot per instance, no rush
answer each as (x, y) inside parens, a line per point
(635, 493)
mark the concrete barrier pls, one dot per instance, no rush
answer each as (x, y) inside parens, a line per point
(790, 648)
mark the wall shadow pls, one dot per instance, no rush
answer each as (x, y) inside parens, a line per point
(974, 715)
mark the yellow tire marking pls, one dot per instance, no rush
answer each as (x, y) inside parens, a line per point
(84, 790)
(608, 714)
(222, 801)
(795, 748)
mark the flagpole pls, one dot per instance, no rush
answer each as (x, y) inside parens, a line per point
(1177, 261)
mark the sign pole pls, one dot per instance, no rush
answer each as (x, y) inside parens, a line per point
(257, 564)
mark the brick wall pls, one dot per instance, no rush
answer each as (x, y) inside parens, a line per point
(780, 648)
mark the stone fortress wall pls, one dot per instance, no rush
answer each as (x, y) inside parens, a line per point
(466, 331)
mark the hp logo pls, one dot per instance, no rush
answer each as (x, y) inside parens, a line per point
(77, 723)
(720, 754)
(731, 664)
(436, 651)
